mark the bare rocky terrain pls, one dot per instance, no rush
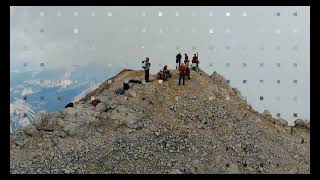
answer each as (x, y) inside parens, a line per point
(205, 126)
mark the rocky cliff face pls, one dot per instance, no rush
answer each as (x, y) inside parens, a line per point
(204, 126)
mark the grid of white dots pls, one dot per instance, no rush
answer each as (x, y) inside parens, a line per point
(211, 31)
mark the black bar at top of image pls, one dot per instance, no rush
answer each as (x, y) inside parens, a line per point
(160, 2)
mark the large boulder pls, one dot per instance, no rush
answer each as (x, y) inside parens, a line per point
(45, 121)
(100, 107)
(302, 123)
(281, 122)
(132, 93)
(30, 130)
(266, 114)
(72, 129)
(123, 116)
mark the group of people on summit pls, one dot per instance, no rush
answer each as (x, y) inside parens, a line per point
(182, 67)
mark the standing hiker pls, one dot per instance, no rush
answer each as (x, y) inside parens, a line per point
(182, 70)
(146, 66)
(195, 61)
(178, 60)
(186, 58)
(187, 73)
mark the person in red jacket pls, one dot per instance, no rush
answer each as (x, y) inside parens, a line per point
(195, 60)
(187, 70)
(182, 70)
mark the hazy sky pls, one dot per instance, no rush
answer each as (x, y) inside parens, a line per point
(62, 36)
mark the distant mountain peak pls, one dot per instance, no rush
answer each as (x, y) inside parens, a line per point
(21, 114)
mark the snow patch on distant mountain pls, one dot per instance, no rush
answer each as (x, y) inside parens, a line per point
(26, 91)
(34, 73)
(21, 114)
(14, 71)
(52, 83)
(68, 72)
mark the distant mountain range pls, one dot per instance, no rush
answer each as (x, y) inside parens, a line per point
(21, 114)
(44, 89)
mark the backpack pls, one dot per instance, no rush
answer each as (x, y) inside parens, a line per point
(69, 105)
(119, 91)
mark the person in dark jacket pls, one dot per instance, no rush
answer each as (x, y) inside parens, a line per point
(186, 58)
(146, 67)
(165, 73)
(178, 60)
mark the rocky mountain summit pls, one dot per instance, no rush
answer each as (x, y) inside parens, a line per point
(205, 126)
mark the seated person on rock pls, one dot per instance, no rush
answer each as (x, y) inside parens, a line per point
(164, 73)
